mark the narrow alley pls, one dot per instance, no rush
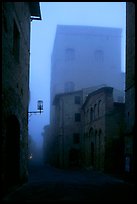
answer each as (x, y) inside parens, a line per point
(49, 184)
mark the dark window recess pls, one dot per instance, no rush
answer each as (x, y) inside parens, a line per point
(77, 117)
(76, 138)
(77, 100)
(95, 107)
(91, 114)
(16, 42)
(21, 91)
(99, 107)
(70, 54)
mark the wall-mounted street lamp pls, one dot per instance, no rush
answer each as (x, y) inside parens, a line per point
(39, 108)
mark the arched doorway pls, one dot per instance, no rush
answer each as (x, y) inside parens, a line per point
(91, 145)
(12, 150)
(92, 153)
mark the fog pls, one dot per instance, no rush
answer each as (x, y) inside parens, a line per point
(104, 14)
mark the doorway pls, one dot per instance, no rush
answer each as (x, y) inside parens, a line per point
(92, 153)
(12, 150)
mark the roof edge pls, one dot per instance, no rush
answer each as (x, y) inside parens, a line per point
(35, 10)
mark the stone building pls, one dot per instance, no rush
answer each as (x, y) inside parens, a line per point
(79, 54)
(80, 113)
(16, 18)
(49, 142)
(130, 158)
(103, 126)
(46, 143)
(67, 129)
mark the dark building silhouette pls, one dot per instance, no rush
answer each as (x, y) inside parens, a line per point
(130, 91)
(16, 18)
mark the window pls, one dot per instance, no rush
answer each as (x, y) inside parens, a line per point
(76, 138)
(91, 132)
(99, 56)
(21, 91)
(87, 117)
(16, 42)
(69, 86)
(99, 108)
(95, 107)
(91, 114)
(69, 54)
(77, 99)
(128, 117)
(77, 117)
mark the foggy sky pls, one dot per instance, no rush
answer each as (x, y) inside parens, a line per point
(107, 14)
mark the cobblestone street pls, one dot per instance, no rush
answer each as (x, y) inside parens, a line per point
(49, 184)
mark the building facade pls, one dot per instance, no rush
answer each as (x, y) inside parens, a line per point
(16, 17)
(67, 129)
(130, 158)
(103, 127)
(46, 144)
(79, 54)
(50, 136)
(89, 129)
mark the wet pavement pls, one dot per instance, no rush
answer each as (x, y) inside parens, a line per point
(49, 184)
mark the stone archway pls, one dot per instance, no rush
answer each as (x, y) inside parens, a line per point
(12, 150)
(92, 146)
(92, 153)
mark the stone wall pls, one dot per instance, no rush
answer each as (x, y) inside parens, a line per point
(15, 90)
(130, 90)
(66, 127)
(103, 131)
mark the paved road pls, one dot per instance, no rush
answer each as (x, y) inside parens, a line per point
(48, 184)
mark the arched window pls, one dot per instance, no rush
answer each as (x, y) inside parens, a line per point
(95, 107)
(91, 114)
(99, 110)
(91, 132)
(87, 115)
(96, 138)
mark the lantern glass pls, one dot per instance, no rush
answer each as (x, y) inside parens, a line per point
(40, 105)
